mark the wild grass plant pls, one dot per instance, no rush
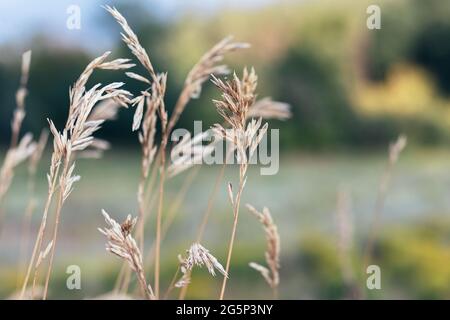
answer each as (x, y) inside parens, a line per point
(243, 124)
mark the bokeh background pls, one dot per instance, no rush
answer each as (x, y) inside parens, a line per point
(352, 92)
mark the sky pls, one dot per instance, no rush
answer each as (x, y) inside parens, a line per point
(20, 20)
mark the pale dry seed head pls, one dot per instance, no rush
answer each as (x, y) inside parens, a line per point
(13, 158)
(154, 105)
(237, 96)
(244, 141)
(138, 77)
(132, 41)
(121, 243)
(396, 148)
(83, 121)
(21, 94)
(272, 253)
(77, 135)
(266, 108)
(197, 255)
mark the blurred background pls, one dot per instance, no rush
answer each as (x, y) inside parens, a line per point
(352, 91)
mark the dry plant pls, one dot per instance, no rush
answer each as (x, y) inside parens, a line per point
(14, 157)
(77, 136)
(197, 255)
(90, 108)
(264, 108)
(21, 94)
(153, 98)
(237, 96)
(18, 152)
(243, 128)
(191, 151)
(395, 149)
(31, 205)
(121, 243)
(272, 254)
(207, 65)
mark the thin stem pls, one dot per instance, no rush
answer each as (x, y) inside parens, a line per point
(172, 211)
(206, 215)
(148, 292)
(26, 224)
(140, 230)
(158, 222)
(40, 235)
(172, 283)
(26, 228)
(237, 202)
(55, 228)
(123, 279)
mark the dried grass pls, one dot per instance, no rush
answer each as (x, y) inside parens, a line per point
(395, 149)
(14, 157)
(272, 254)
(18, 152)
(90, 108)
(237, 97)
(197, 255)
(121, 243)
(77, 136)
(21, 94)
(266, 108)
(31, 205)
(207, 65)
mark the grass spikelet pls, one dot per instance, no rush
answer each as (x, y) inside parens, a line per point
(122, 244)
(272, 254)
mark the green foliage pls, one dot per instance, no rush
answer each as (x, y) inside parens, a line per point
(418, 260)
(319, 262)
(414, 261)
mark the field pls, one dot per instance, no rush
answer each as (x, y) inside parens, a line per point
(302, 199)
